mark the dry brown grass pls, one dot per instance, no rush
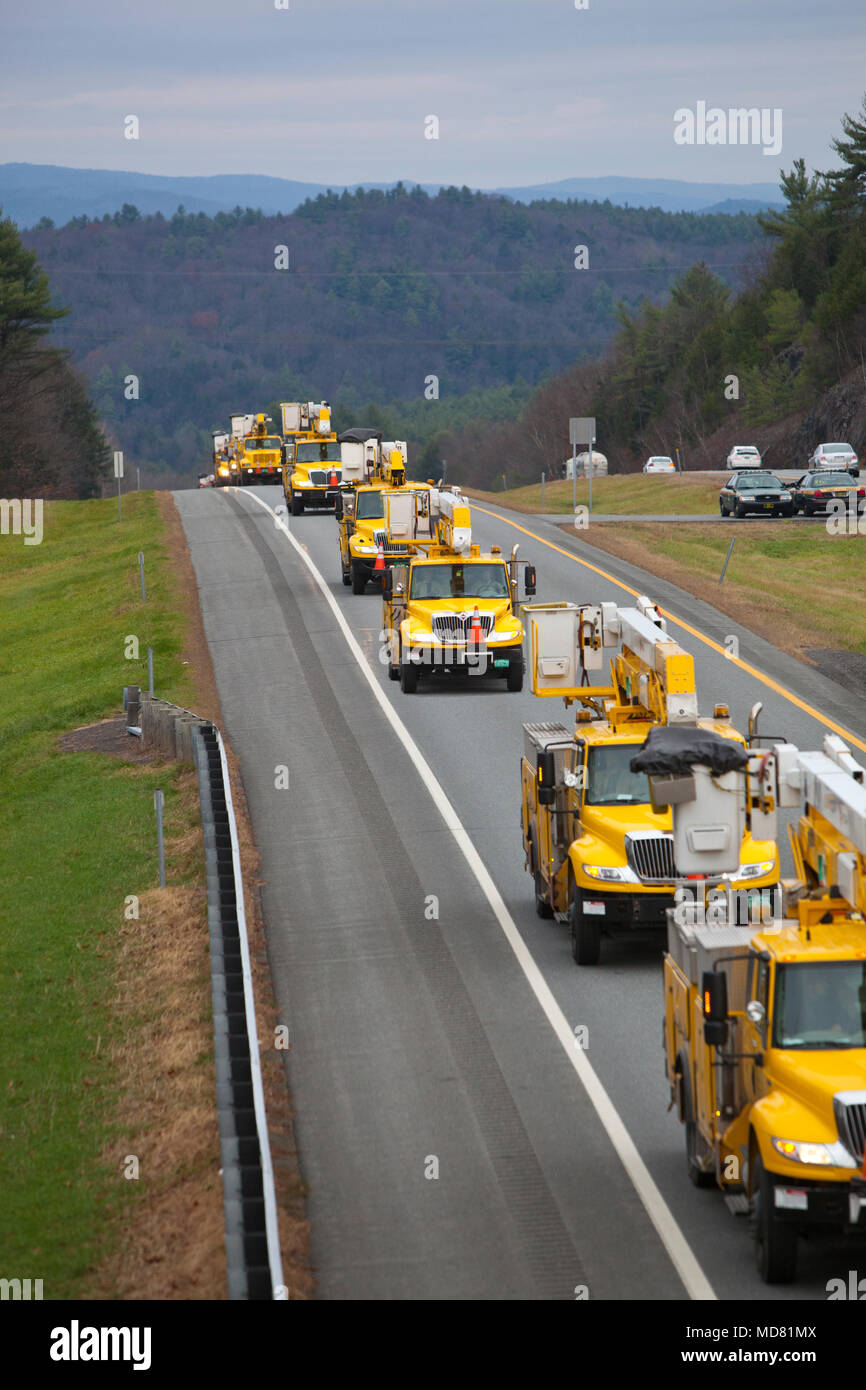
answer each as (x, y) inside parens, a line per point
(170, 1241)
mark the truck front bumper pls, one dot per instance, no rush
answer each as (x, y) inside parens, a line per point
(486, 660)
(625, 910)
(827, 1206)
(317, 496)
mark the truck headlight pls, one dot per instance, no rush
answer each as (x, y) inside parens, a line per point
(766, 866)
(784, 496)
(603, 871)
(799, 1152)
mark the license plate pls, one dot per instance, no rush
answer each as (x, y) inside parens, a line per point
(768, 506)
(791, 1198)
(502, 663)
(591, 909)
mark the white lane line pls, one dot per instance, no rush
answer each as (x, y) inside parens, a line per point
(683, 1258)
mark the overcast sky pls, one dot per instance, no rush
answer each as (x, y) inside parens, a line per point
(525, 91)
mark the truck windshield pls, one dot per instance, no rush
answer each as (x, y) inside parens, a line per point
(820, 1006)
(368, 506)
(266, 443)
(319, 453)
(610, 780)
(460, 581)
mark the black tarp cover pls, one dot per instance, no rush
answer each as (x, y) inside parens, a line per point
(675, 748)
(358, 435)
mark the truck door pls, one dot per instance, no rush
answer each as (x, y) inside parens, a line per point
(755, 1036)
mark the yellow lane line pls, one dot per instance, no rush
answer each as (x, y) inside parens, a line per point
(737, 661)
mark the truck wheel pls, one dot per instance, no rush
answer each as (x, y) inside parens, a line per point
(297, 504)
(347, 577)
(775, 1241)
(359, 578)
(514, 678)
(585, 935)
(408, 677)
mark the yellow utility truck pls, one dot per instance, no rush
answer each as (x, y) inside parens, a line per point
(259, 454)
(451, 609)
(312, 459)
(601, 855)
(765, 1026)
(379, 514)
(225, 462)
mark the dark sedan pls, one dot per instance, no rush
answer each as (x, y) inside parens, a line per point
(755, 491)
(816, 490)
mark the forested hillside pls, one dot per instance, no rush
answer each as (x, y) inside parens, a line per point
(783, 362)
(178, 322)
(50, 440)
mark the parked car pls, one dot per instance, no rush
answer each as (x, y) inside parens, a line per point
(815, 490)
(744, 456)
(206, 479)
(755, 491)
(660, 463)
(835, 456)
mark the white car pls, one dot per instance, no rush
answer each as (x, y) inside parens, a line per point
(744, 456)
(834, 456)
(659, 463)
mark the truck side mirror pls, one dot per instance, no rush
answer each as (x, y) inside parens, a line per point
(387, 583)
(546, 778)
(714, 988)
(530, 580)
(338, 506)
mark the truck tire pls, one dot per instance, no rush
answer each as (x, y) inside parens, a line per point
(297, 505)
(542, 906)
(359, 577)
(585, 934)
(347, 577)
(514, 678)
(408, 677)
(775, 1241)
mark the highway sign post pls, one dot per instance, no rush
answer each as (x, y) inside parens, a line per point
(581, 428)
(118, 473)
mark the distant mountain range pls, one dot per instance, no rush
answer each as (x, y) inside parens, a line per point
(29, 192)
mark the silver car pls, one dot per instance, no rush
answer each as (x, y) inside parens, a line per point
(834, 456)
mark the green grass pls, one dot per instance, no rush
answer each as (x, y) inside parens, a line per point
(78, 837)
(637, 493)
(800, 575)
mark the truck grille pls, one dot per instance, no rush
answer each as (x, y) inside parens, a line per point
(455, 626)
(851, 1123)
(391, 547)
(651, 856)
(321, 477)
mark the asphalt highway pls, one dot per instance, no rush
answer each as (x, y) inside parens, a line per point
(451, 1145)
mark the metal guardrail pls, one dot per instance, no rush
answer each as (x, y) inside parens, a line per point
(253, 1262)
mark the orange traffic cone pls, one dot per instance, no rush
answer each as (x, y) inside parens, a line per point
(380, 558)
(333, 482)
(476, 637)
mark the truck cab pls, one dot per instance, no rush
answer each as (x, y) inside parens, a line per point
(453, 610)
(377, 526)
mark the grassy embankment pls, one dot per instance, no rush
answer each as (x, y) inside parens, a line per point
(794, 583)
(78, 839)
(637, 494)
